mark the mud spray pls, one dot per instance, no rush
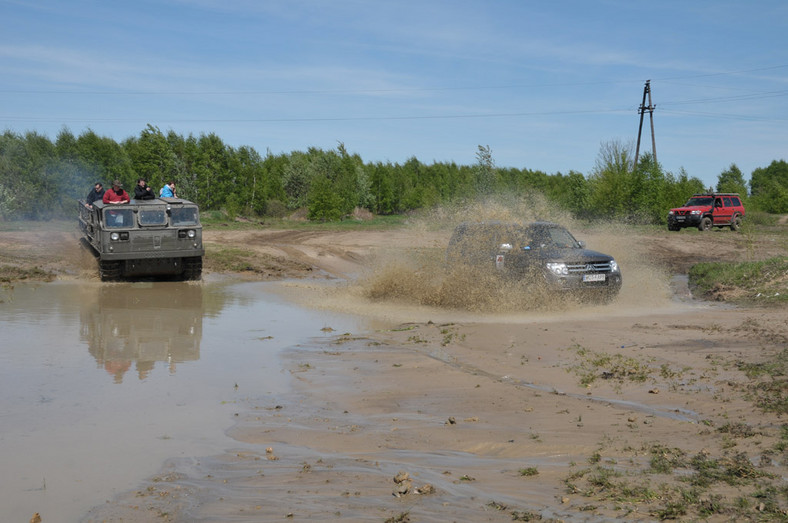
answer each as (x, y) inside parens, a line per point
(415, 281)
(423, 277)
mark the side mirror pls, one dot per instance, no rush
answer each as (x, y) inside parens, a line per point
(582, 244)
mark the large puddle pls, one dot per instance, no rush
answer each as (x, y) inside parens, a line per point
(99, 384)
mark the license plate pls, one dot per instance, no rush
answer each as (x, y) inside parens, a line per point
(593, 277)
(679, 218)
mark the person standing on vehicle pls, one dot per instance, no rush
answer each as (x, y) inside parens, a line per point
(96, 193)
(168, 191)
(116, 195)
(142, 191)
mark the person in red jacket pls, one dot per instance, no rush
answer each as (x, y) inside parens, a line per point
(116, 194)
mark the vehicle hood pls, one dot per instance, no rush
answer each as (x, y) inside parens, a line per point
(571, 255)
(558, 255)
(691, 208)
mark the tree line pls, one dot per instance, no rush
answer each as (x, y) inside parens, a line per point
(41, 179)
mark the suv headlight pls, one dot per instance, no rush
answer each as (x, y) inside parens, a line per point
(558, 268)
(695, 212)
(191, 234)
(670, 213)
(114, 236)
(613, 266)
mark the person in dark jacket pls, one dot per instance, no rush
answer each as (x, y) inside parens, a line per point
(142, 191)
(96, 193)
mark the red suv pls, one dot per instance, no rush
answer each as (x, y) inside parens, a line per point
(708, 210)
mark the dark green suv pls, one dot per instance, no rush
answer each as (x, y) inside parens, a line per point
(542, 251)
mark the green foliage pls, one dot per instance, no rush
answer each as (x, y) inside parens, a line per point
(612, 182)
(324, 201)
(641, 195)
(40, 179)
(769, 187)
(485, 172)
(762, 281)
(732, 180)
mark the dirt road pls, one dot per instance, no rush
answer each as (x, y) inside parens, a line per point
(656, 406)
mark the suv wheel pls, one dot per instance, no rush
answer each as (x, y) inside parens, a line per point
(705, 224)
(736, 223)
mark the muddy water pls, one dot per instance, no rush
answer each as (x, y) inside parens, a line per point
(99, 384)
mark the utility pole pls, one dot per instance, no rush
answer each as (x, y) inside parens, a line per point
(642, 110)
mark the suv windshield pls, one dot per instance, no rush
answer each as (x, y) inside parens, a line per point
(699, 202)
(551, 237)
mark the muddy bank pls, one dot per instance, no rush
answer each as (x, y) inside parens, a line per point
(567, 412)
(490, 421)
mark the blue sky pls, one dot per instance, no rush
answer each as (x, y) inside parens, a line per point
(543, 83)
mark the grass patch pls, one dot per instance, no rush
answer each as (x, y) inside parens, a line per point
(232, 259)
(768, 385)
(676, 485)
(599, 365)
(760, 282)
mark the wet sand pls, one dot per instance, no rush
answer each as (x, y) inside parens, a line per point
(492, 413)
(463, 408)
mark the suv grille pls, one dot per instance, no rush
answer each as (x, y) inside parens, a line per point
(580, 268)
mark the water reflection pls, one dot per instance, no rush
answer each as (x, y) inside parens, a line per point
(64, 418)
(142, 324)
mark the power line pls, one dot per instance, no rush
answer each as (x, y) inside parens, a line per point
(364, 91)
(327, 119)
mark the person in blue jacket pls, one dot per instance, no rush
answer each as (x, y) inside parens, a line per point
(168, 191)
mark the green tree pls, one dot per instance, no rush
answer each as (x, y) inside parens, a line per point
(30, 185)
(769, 187)
(485, 173)
(151, 157)
(571, 192)
(185, 152)
(214, 180)
(296, 180)
(681, 187)
(732, 180)
(612, 183)
(324, 203)
(381, 188)
(251, 186)
(102, 158)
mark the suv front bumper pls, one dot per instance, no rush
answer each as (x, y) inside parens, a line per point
(684, 220)
(576, 282)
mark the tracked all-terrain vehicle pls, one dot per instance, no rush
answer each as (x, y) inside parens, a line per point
(159, 237)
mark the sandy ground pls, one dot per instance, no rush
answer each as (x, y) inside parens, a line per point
(489, 413)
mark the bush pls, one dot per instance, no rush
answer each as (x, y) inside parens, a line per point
(761, 218)
(276, 209)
